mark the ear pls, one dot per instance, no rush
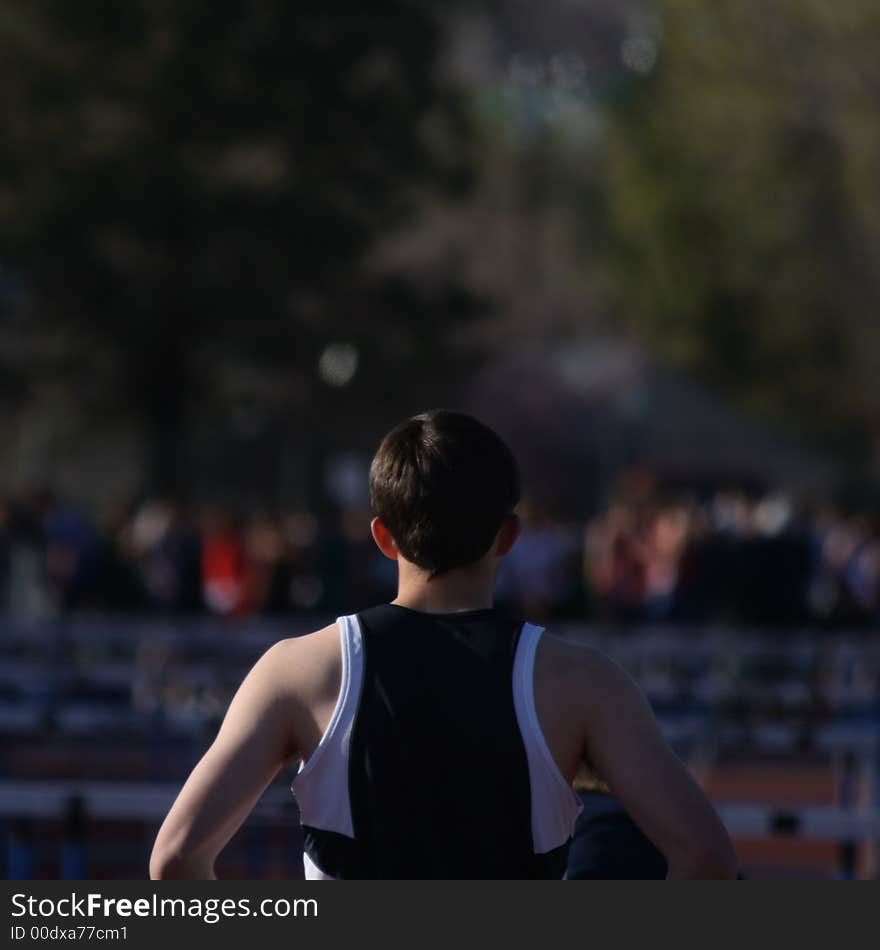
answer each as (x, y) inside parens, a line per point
(507, 535)
(384, 541)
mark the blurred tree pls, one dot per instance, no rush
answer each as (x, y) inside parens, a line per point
(189, 192)
(743, 207)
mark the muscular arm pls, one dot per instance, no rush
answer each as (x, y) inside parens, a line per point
(259, 732)
(623, 742)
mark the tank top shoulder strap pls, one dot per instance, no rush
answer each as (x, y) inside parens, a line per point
(555, 805)
(321, 784)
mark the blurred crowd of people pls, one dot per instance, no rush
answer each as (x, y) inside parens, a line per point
(733, 557)
(160, 555)
(645, 558)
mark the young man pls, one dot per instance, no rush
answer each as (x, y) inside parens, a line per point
(440, 739)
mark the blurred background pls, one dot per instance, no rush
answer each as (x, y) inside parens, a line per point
(241, 239)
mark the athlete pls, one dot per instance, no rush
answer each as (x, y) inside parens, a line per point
(439, 738)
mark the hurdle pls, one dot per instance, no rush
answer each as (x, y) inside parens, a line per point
(75, 802)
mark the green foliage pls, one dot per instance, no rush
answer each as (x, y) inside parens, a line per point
(743, 207)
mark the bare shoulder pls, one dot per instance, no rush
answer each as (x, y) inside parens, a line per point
(587, 687)
(580, 668)
(576, 688)
(308, 644)
(306, 667)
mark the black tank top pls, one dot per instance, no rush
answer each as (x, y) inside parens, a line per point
(437, 769)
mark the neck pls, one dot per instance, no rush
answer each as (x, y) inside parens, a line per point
(450, 593)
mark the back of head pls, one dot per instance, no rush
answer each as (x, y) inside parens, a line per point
(442, 483)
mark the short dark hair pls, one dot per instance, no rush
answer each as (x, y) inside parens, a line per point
(442, 483)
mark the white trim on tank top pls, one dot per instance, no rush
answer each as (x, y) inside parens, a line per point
(321, 784)
(555, 805)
